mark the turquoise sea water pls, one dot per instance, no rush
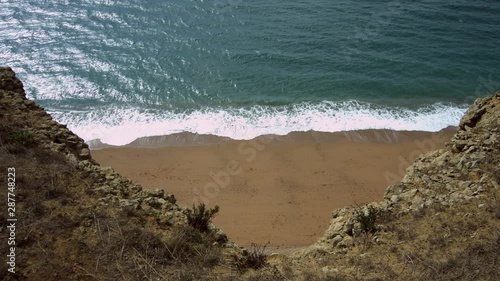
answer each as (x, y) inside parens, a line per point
(118, 70)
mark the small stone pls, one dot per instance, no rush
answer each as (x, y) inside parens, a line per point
(134, 203)
(328, 269)
(160, 193)
(58, 146)
(337, 227)
(154, 202)
(72, 159)
(413, 192)
(337, 239)
(428, 203)
(335, 213)
(220, 237)
(171, 198)
(346, 242)
(84, 154)
(136, 188)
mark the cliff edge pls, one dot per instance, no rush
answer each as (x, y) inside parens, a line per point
(441, 222)
(76, 220)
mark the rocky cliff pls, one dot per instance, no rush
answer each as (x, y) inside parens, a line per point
(80, 221)
(20, 115)
(441, 222)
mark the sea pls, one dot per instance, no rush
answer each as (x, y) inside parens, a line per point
(119, 70)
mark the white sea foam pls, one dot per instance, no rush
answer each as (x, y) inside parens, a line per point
(120, 126)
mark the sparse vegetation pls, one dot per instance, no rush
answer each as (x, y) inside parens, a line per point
(254, 258)
(23, 137)
(200, 216)
(66, 231)
(368, 219)
(143, 252)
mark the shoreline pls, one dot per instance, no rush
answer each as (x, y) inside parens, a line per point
(190, 139)
(276, 189)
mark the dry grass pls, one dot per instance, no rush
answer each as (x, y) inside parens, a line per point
(254, 258)
(64, 233)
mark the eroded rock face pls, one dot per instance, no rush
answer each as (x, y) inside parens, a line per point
(111, 189)
(9, 81)
(466, 171)
(47, 133)
(468, 168)
(65, 197)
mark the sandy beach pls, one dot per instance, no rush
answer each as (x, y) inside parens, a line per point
(279, 190)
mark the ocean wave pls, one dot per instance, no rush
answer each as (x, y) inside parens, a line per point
(120, 126)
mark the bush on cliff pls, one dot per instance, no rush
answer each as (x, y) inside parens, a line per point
(199, 217)
(367, 219)
(23, 137)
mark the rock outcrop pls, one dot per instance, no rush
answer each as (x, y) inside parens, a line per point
(441, 222)
(468, 169)
(75, 213)
(79, 221)
(47, 133)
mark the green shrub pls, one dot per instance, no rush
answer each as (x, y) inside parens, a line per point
(23, 137)
(200, 216)
(367, 219)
